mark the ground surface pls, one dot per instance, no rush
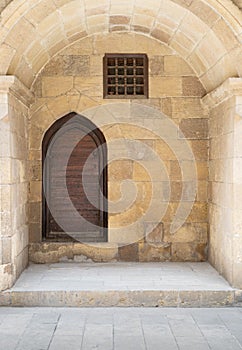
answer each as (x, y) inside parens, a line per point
(120, 328)
(121, 276)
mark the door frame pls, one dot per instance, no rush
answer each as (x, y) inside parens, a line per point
(99, 139)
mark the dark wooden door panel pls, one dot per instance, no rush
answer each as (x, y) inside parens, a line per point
(74, 181)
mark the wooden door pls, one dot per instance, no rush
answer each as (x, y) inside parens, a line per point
(75, 178)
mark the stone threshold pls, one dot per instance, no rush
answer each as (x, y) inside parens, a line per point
(121, 285)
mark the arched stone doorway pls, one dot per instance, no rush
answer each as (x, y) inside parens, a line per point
(74, 155)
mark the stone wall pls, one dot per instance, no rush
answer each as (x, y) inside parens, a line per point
(225, 210)
(14, 180)
(72, 81)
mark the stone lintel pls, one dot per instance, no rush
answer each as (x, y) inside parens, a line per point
(11, 84)
(231, 87)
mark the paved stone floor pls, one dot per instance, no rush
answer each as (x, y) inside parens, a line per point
(120, 329)
(121, 284)
(121, 276)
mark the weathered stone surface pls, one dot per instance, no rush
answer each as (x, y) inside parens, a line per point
(154, 251)
(129, 252)
(191, 86)
(154, 232)
(194, 128)
(156, 65)
(189, 251)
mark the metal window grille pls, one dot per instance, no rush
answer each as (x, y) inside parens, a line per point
(125, 76)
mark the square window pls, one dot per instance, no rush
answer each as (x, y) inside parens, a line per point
(125, 76)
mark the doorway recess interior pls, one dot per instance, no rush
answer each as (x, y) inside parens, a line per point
(74, 192)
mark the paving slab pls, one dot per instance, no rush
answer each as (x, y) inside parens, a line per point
(120, 328)
(121, 284)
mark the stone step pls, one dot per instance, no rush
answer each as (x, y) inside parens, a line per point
(121, 285)
(135, 298)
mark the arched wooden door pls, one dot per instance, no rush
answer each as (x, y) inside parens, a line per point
(74, 181)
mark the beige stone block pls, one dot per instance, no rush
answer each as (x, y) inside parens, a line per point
(114, 190)
(143, 20)
(161, 35)
(189, 252)
(130, 216)
(96, 65)
(171, 208)
(125, 235)
(41, 121)
(81, 45)
(197, 63)
(6, 219)
(23, 70)
(49, 23)
(37, 57)
(199, 28)
(5, 195)
(55, 86)
(35, 212)
(174, 169)
(86, 103)
(164, 151)
(121, 7)
(21, 34)
(166, 106)
(189, 232)
(40, 11)
(191, 86)
(154, 232)
(237, 280)
(156, 65)
(182, 44)
(140, 173)
(89, 86)
(35, 233)
(220, 71)
(199, 213)
(175, 65)
(35, 139)
(133, 132)
(6, 244)
(35, 170)
(20, 241)
(188, 108)
(202, 170)
(5, 166)
(119, 170)
(55, 42)
(228, 40)
(165, 87)
(98, 21)
(145, 192)
(96, 252)
(6, 54)
(116, 20)
(204, 12)
(194, 128)
(35, 191)
(154, 252)
(73, 101)
(57, 107)
(6, 276)
(200, 149)
(128, 252)
(202, 191)
(210, 54)
(176, 188)
(100, 10)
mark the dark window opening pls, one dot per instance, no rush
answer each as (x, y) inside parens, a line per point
(125, 76)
